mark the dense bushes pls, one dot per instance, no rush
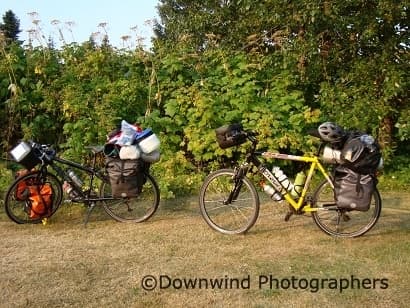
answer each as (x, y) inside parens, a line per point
(280, 83)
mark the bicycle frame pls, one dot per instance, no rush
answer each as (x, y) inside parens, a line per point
(138, 206)
(83, 195)
(230, 203)
(314, 164)
(297, 205)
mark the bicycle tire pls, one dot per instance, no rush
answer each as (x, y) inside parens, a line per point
(133, 209)
(18, 209)
(341, 222)
(233, 218)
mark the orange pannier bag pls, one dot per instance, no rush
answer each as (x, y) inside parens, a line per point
(40, 196)
(21, 190)
(41, 199)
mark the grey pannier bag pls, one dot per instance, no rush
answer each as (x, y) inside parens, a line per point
(353, 190)
(125, 176)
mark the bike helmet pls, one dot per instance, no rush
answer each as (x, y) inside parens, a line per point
(331, 132)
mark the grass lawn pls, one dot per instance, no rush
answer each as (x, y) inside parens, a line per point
(276, 264)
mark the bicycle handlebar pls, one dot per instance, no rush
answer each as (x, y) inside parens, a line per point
(44, 152)
(251, 133)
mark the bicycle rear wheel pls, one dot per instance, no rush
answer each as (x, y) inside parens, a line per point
(229, 217)
(132, 209)
(341, 222)
(19, 201)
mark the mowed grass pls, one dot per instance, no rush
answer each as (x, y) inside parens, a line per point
(65, 264)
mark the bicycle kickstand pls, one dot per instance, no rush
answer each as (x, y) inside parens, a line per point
(90, 207)
(289, 214)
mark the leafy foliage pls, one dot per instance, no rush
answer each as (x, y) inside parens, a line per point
(277, 67)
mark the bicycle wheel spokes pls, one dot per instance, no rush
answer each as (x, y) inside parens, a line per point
(19, 211)
(341, 222)
(18, 201)
(135, 209)
(236, 216)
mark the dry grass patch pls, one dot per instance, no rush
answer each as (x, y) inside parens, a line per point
(64, 264)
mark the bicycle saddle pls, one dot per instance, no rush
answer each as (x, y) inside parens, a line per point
(95, 148)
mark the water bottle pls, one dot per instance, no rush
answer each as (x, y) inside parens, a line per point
(77, 181)
(282, 178)
(275, 196)
(298, 184)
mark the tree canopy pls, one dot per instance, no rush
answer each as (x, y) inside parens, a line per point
(10, 27)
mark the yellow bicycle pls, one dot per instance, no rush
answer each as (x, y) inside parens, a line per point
(229, 201)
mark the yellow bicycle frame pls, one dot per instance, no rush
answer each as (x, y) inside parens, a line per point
(314, 163)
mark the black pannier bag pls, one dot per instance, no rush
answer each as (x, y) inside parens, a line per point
(361, 153)
(355, 179)
(126, 176)
(230, 135)
(353, 190)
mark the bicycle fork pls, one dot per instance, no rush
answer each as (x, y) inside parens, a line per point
(240, 172)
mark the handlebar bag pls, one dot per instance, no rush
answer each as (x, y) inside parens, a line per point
(230, 135)
(24, 154)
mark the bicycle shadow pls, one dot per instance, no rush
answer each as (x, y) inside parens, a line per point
(76, 213)
(394, 218)
(391, 221)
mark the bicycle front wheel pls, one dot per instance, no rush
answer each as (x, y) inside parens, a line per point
(23, 204)
(341, 222)
(132, 209)
(233, 216)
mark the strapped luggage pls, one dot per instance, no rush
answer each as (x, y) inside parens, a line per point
(129, 152)
(147, 141)
(361, 153)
